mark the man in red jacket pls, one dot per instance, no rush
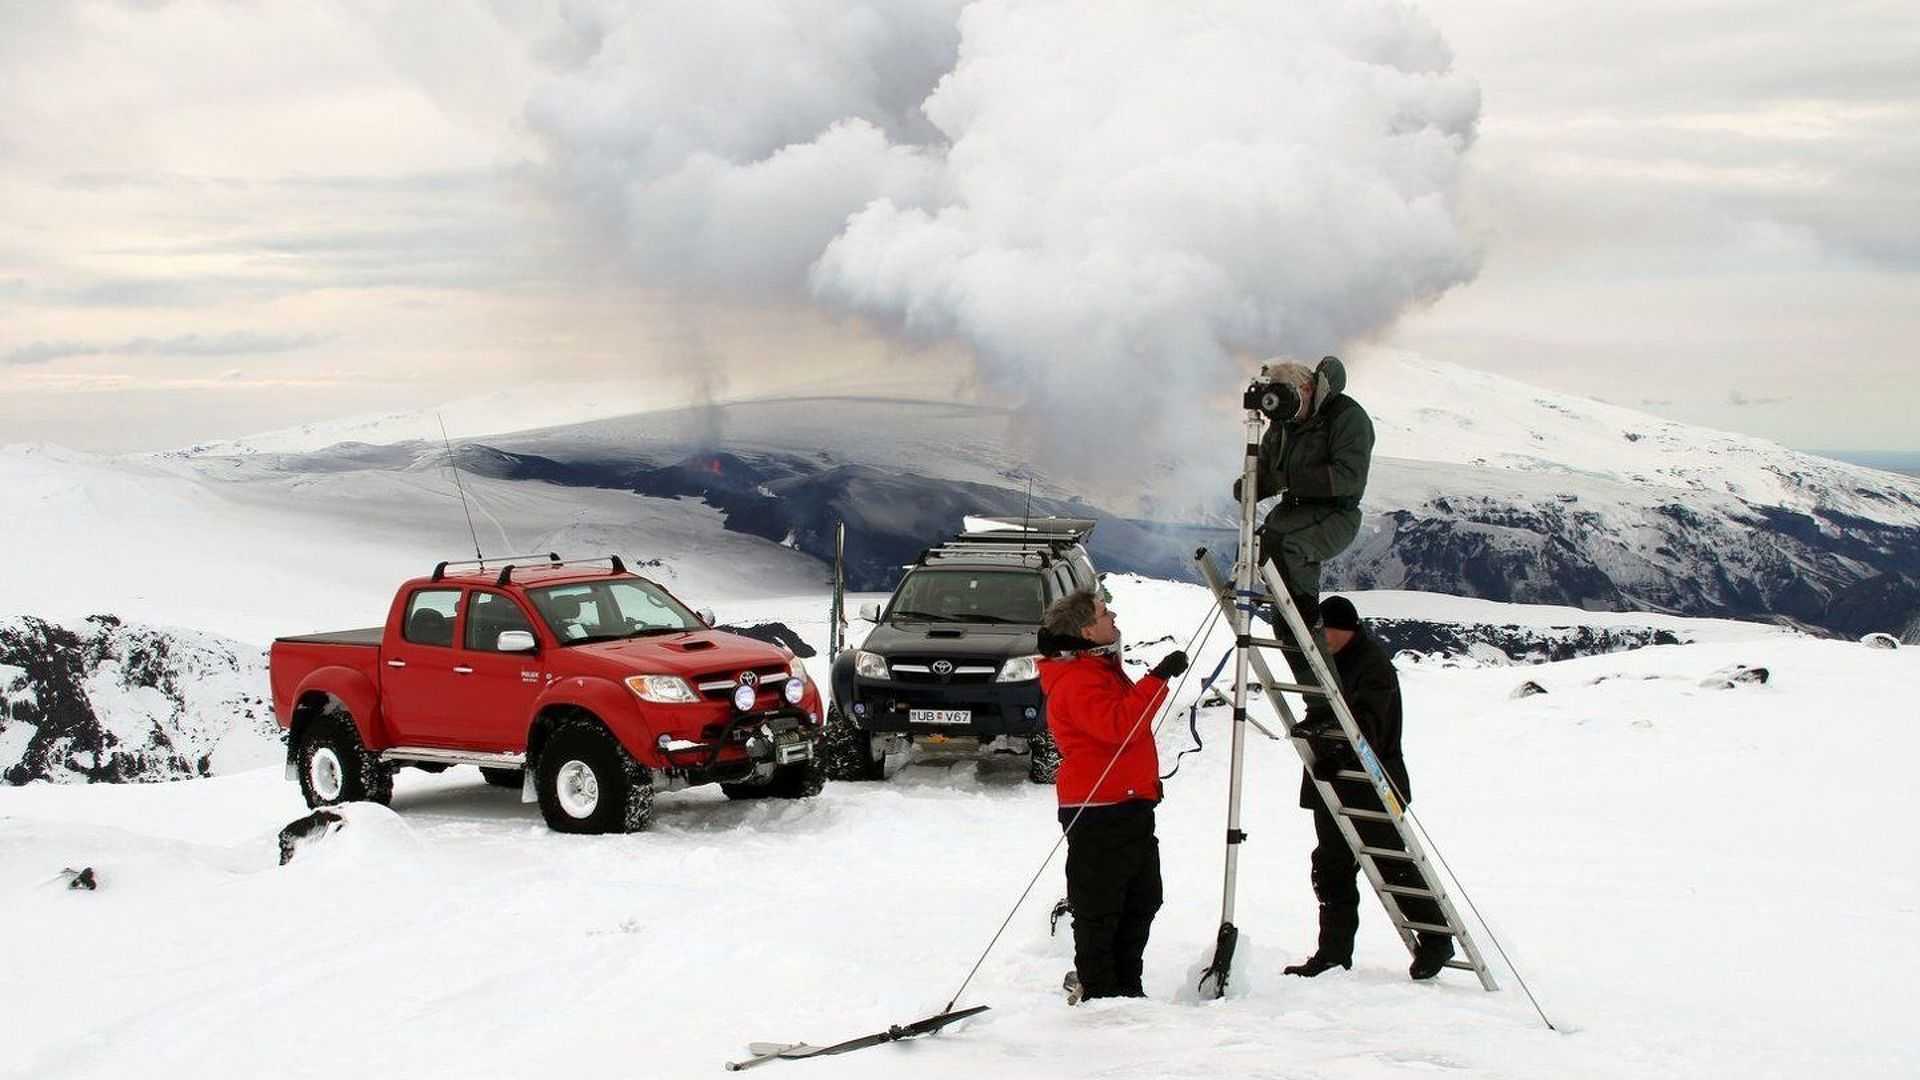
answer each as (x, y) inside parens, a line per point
(1108, 783)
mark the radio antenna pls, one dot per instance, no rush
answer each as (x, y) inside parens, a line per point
(455, 463)
(1026, 525)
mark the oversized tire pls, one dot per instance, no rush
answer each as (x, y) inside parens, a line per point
(1043, 758)
(335, 768)
(507, 778)
(849, 750)
(588, 783)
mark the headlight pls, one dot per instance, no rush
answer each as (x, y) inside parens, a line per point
(743, 696)
(796, 689)
(662, 689)
(870, 665)
(796, 667)
(1019, 669)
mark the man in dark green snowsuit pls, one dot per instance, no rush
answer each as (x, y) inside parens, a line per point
(1317, 462)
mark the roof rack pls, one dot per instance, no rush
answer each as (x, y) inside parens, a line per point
(615, 565)
(440, 568)
(546, 561)
(1017, 529)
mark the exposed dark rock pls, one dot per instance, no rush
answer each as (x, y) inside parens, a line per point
(1522, 644)
(775, 633)
(170, 701)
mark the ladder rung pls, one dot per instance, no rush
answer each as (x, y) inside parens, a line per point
(1388, 853)
(1271, 643)
(1366, 815)
(1408, 890)
(1429, 928)
(1353, 774)
(1296, 688)
(1461, 965)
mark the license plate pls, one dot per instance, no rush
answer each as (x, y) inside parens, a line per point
(939, 716)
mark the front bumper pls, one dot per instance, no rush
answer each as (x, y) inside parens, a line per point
(995, 709)
(787, 736)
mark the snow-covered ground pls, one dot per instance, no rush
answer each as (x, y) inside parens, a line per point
(1696, 882)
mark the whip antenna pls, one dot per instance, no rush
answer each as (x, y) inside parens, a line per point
(468, 510)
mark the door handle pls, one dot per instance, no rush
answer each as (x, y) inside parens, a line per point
(462, 670)
(396, 663)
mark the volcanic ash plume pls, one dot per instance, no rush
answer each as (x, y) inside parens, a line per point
(1115, 205)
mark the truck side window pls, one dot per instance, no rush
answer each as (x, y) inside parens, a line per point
(430, 615)
(1083, 572)
(1062, 580)
(488, 616)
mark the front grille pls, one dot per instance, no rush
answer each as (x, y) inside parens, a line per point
(941, 670)
(718, 685)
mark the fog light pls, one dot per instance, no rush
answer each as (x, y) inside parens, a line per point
(795, 690)
(743, 696)
(1032, 713)
(859, 708)
(663, 741)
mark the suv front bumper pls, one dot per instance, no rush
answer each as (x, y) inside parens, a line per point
(994, 709)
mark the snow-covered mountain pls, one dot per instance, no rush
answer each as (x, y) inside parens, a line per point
(1482, 486)
(107, 700)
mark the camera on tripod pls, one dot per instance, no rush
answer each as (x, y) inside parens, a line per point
(1276, 400)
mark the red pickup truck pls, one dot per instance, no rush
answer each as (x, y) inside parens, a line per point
(587, 687)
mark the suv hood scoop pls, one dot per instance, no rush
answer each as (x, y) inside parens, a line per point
(938, 633)
(690, 645)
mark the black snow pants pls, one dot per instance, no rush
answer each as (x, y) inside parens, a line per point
(1334, 870)
(1113, 885)
(1297, 539)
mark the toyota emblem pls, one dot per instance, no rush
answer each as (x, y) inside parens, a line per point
(748, 678)
(943, 668)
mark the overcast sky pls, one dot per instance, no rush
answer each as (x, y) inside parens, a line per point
(218, 218)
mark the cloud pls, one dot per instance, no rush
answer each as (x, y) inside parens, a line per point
(1113, 205)
(236, 343)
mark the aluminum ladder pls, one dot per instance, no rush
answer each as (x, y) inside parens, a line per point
(1407, 863)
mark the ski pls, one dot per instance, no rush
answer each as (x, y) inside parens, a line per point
(765, 1052)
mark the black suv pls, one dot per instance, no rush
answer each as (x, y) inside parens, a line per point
(953, 656)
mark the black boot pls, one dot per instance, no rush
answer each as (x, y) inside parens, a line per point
(1316, 964)
(1431, 956)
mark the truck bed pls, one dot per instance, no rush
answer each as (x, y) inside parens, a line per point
(366, 636)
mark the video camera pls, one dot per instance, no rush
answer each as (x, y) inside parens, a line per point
(1276, 399)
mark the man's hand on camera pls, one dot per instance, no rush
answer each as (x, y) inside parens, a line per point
(1171, 666)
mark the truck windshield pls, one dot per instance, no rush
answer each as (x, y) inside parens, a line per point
(990, 596)
(610, 610)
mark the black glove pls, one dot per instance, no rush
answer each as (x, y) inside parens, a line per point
(1171, 666)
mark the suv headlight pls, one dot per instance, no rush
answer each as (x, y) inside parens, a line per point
(1019, 669)
(870, 665)
(796, 667)
(662, 689)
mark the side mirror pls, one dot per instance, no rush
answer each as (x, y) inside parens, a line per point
(870, 611)
(706, 616)
(514, 641)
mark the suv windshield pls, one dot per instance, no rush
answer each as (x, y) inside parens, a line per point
(991, 596)
(610, 610)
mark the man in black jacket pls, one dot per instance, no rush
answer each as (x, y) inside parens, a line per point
(1372, 692)
(1317, 462)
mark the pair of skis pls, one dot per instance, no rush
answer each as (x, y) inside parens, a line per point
(765, 1052)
